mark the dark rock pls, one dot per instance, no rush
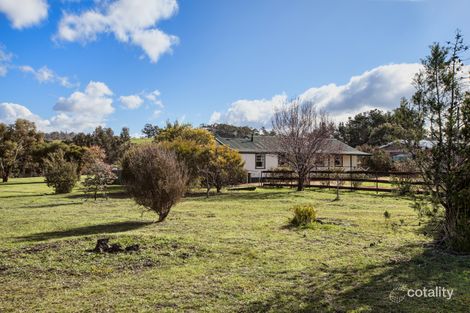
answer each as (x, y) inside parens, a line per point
(114, 248)
(101, 245)
(132, 248)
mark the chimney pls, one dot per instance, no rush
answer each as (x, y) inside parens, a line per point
(252, 137)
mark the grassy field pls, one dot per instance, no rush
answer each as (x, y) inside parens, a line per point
(234, 252)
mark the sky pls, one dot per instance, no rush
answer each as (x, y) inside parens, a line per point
(72, 65)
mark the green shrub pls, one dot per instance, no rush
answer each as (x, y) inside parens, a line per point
(154, 177)
(304, 214)
(60, 174)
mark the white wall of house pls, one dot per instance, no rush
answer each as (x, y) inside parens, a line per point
(348, 162)
(271, 162)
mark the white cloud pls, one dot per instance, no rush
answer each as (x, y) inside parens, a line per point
(130, 21)
(156, 114)
(215, 117)
(46, 75)
(153, 97)
(251, 112)
(381, 87)
(84, 110)
(10, 112)
(81, 111)
(24, 13)
(5, 59)
(131, 102)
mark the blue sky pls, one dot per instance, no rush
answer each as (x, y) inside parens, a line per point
(73, 65)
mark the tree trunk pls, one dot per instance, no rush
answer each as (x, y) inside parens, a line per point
(162, 215)
(6, 174)
(300, 183)
(337, 192)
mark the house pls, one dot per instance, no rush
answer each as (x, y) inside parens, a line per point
(262, 153)
(398, 152)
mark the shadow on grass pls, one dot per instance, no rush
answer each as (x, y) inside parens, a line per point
(22, 183)
(16, 195)
(111, 195)
(48, 205)
(86, 230)
(367, 289)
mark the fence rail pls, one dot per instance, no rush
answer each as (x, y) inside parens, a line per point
(351, 180)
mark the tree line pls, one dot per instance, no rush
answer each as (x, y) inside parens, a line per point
(23, 148)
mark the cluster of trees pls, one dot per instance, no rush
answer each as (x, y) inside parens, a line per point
(208, 164)
(369, 130)
(157, 174)
(375, 127)
(24, 149)
(222, 130)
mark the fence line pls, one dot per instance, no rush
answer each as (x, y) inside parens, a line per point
(355, 178)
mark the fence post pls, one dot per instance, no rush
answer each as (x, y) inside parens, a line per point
(376, 182)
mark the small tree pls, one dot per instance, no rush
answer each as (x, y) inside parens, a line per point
(92, 155)
(302, 132)
(154, 177)
(60, 174)
(442, 102)
(338, 176)
(99, 176)
(224, 168)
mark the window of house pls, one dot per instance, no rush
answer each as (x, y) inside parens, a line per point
(319, 161)
(260, 160)
(338, 160)
(282, 161)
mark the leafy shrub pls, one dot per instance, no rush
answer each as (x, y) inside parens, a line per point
(379, 161)
(154, 177)
(100, 175)
(303, 215)
(60, 174)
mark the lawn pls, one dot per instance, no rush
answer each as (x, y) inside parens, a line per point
(233, 252)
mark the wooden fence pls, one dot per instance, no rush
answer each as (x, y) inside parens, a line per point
(351, 180)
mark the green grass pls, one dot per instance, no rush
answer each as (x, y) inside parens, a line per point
(141, 140)
(234, 252)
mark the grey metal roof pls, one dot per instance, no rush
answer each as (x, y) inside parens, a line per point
(270, 144)
(423, 144)
(260, 144)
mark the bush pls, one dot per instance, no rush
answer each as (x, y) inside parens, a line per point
(303, 215)
(154, 177)
(379, 161)
(100, 175)
(60, 174)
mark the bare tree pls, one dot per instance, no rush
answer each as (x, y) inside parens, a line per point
(302, 131)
